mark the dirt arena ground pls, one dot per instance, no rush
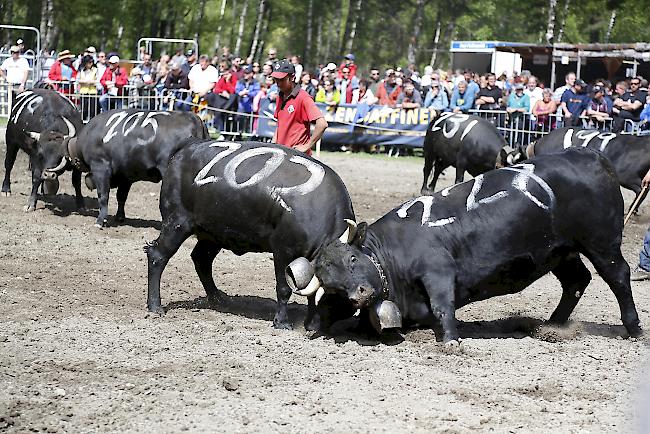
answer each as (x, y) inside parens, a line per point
(78, 352)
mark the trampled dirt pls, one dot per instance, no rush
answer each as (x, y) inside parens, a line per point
(78, 352)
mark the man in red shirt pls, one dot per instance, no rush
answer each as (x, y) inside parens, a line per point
(295, 111)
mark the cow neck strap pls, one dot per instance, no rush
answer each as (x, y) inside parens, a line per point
(380, 270)
(72, 154)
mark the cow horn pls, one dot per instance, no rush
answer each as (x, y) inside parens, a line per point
(509, 160)
(72, 131)
(350, 231)
(385, 315)
(35, 136)
(319, 294)
(301, 278)
(61, 166)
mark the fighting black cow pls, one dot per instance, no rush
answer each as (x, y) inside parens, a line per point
(247, 197)
(435, 254)
(630, 155)
(120, 147)
(466, 142)
(40, 116)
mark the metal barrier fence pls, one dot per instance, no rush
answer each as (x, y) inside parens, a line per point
(517, 128)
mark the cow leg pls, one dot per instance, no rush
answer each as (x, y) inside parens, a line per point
(441, 300)
(10, 159)
(76, 183)
(172, 235)
(438, 167)
(426, 171)
(574, 277)
(122, 194)
(461, 166)
(203, 256)
(102, 179)
(283, 292)
(33, 197)
(616, 273)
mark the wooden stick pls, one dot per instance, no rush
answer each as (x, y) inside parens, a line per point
(634, 205)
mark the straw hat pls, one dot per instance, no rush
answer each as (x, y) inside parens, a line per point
(65, 54)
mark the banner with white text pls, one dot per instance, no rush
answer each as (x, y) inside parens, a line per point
(362, 124)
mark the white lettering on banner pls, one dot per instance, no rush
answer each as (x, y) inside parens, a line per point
(136, 118)
(587, 136)
(277, 157)
(524, 172)
(452, 124)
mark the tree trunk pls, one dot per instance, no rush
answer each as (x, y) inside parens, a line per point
(310, 18)
(436, 40)
(50, 30)
(349, 43)
(217, 39)
(560, 33)
(265, 27)
(319, 37)
(258, 28)
(550, 24)
(334, 28)
(231, 36)
(240, 31)
(199, 21)
(610, 27)
(413, 43)
(10, 19)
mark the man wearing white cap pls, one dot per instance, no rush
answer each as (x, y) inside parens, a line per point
(15, 70)
(113, 80)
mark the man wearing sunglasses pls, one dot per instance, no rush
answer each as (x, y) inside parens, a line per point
(629, 105)
(15, 69)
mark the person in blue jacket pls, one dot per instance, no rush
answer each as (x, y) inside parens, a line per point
(247, 87)
(461, 99)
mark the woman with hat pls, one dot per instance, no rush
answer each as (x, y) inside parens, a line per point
(62, 73)
(88, 79)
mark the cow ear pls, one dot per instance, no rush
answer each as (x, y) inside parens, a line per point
(360, 236)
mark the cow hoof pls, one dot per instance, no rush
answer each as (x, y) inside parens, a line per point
(426, 192)
(155, 312)
(282, 325)
(7, 193)
(635, 331)
(29, 208)
(453, 346)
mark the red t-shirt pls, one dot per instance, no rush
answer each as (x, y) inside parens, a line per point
(294, 115)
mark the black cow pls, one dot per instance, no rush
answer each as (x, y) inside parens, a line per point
(39, 116)
(467, 142)
(247, 197)
(434, 254)
(120, 147)
(630, 155)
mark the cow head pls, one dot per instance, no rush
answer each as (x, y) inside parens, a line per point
(49, 159)
(509, 156)
(50, 155)
(344, 268)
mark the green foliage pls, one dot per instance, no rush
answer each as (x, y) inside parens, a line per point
(384, 27)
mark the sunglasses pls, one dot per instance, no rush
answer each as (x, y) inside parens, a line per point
(635, 83)
(14, 52)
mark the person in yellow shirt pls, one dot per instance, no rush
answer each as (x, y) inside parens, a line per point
(88, 79)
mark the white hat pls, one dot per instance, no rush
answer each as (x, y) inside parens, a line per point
(136, 71)
(114, 59)
(91, 49)
(331, 66)
(20, 41)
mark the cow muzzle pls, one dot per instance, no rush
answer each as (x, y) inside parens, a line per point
(53, 172)
(51, 186)
(361, 296)
(301, 277)
(385, 314)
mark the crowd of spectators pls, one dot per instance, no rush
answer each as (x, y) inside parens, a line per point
(237, 86)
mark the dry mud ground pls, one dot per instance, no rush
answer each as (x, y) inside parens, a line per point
(79, 354)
